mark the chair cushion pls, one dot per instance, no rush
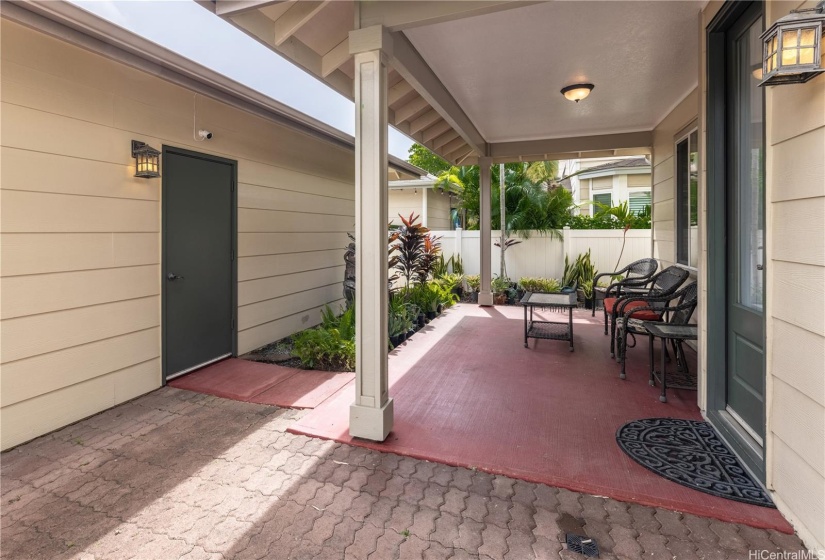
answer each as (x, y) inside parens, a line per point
(646, 315)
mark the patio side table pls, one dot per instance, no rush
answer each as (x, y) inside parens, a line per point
(550, 330)
(667, 331)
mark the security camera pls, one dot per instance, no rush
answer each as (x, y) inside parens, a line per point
(204, 135)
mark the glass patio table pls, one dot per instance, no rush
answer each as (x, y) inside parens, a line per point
(668, 331)
(550, 330)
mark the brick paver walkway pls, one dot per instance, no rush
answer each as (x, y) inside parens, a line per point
(176, 474)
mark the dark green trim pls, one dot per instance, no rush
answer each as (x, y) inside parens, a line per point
(717, 133)
(234, 288)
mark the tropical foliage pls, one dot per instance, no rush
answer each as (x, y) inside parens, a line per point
(426, 160)
(541, 285)
(530, 205)
(331, 345)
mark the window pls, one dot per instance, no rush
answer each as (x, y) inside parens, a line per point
(687, 201)
(605, 199)
(639, 201)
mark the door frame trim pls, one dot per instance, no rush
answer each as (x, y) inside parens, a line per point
(166, 150)
(748, 449)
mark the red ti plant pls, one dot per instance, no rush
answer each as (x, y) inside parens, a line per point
(410, 246)
(432, 248)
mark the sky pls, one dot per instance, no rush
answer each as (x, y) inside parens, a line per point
(192, 31)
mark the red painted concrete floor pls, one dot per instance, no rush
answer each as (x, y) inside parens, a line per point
(467, 393)
(242, 380)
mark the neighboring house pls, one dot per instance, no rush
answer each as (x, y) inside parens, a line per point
(608, 182)
(89, 317)
(432, 204)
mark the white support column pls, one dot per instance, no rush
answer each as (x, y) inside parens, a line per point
(485, 295)
(371, 415)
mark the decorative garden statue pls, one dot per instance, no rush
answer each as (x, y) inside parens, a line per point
(349, 272)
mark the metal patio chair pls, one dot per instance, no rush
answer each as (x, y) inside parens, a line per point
(637, 276)
(631, 322)
(662, 284)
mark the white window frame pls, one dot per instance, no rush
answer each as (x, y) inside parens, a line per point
(684, 135)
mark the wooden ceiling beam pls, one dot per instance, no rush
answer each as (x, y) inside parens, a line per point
(448, 136)
(410, 110)
(296, 17)
(436, 130)
(335, 58)
(425, 120)
(233, 7)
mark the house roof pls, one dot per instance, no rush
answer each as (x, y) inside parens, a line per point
(77, 26)
(635, 163)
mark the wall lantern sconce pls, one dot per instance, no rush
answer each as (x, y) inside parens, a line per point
(792, 47)
(147, 160)
(577, 92)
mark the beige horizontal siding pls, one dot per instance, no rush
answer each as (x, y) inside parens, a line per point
(663, 182)
(264, 333)
(37, 253)
(42, 293)
(795, 275)
(28, 419)
(31, 377)
(263, 266)
(403, 202)
(438, 211)
(80, 243)
(639, 180)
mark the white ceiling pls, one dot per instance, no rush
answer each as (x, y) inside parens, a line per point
(641, 56)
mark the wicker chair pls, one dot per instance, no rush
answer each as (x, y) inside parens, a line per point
(637, 276)
(662, 284)
(631, 323)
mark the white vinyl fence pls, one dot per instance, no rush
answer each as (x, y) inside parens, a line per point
(543, 256)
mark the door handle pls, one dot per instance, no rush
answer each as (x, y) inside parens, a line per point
(172, 277)
(760, 267)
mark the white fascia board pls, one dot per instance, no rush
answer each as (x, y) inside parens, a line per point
(616, 171)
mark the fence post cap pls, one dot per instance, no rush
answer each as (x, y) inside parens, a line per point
(566, 227)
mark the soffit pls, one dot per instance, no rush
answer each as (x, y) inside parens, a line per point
(506, 69)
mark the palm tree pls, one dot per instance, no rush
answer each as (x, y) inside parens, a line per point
(529, 205)
(544, 172)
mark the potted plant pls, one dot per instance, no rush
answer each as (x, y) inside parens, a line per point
(474, 283)
(499, 286)
(586, 273)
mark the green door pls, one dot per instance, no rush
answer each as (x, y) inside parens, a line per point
(198, 260)
(745, 225)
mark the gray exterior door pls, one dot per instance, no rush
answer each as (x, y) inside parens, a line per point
(198, 260)
(735, 159)
(745, 228)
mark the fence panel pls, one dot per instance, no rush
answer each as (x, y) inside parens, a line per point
(542, 255)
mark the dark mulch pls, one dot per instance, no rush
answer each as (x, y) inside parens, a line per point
(278, 352)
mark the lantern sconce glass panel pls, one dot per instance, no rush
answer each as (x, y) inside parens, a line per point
(792, 47)
(147, 160)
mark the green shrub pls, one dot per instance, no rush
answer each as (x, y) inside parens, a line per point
(541, 285)
(637, 221)
(443, 290)
(450, 281)
(474, 281)
(499, 285)
(325, 348)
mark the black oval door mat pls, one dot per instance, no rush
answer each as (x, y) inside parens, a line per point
(690, 453)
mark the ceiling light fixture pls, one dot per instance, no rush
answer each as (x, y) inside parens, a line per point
(577, 92)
